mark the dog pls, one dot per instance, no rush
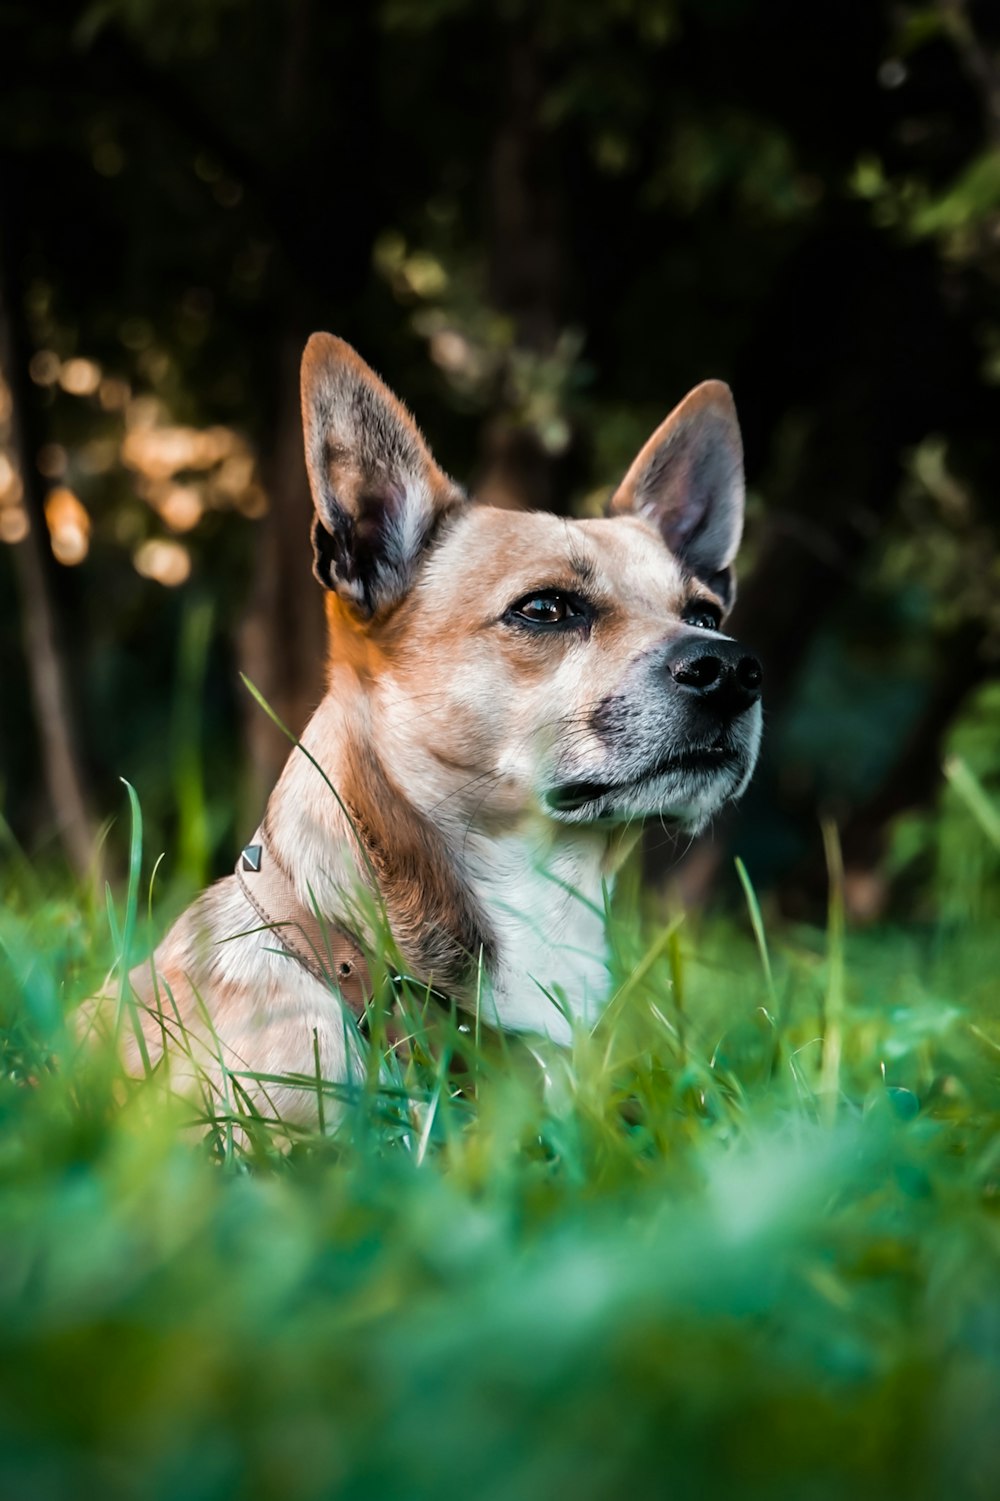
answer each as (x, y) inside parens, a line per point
(509, 696)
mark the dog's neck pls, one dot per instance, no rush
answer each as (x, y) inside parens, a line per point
(512, 919)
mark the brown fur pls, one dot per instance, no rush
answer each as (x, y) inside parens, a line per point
(434, 920)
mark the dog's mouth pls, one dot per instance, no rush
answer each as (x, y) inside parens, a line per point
(570, 797)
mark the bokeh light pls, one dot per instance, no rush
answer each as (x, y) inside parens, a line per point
(69, 526)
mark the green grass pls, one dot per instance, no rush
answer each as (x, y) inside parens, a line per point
(743, 1241)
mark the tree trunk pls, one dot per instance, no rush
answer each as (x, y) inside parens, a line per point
(34, 567)
(323, 260)
(526, 262)
(282, 640)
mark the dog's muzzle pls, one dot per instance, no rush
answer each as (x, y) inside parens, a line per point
(680, 743)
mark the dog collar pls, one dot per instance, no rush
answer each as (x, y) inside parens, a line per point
(330, 953)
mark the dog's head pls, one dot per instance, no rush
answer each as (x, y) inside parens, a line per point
(515, 663)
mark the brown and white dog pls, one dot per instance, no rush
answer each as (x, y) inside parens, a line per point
(509, 695)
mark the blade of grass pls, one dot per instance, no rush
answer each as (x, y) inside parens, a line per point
(126, 998)
(431, 1109)
(676, 961)
(189, 780)
(973, 795)
(833, 1029)
(759, 933)
(659, 946)
(775, 1013)
(320, 1104)
(279, 723)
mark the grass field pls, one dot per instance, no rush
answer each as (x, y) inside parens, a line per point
(742, 1241)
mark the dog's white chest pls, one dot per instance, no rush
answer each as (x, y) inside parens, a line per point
(547, 918)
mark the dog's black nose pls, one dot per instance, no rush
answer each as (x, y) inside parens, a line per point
(722, 673)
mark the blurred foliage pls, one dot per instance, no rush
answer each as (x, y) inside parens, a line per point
(954, 875)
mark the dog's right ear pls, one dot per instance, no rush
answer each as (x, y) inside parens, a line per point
(378, 493)
(688, 481)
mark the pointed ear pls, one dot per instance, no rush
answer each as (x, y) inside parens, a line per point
(688, 481)
(378, 493)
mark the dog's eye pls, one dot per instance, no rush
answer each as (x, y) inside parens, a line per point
(548, 607)
(545, 609)
(703, 616)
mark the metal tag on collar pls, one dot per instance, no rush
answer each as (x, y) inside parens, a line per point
(251, 857)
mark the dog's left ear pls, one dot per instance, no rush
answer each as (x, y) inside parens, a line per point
(688, 481)
(378, 493)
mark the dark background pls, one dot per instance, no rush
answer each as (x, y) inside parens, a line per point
(542, 223)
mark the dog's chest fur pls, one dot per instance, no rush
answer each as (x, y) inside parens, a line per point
(536, 903)
(546, 908)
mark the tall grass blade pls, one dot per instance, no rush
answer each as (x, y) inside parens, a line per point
(759, 933)
(660, 945)
(126, 997)
(193, 835)
(974, 796)
(833, 1030)
(320, 1102)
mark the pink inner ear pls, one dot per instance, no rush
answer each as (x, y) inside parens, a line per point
(675, 505)
(688, 480)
